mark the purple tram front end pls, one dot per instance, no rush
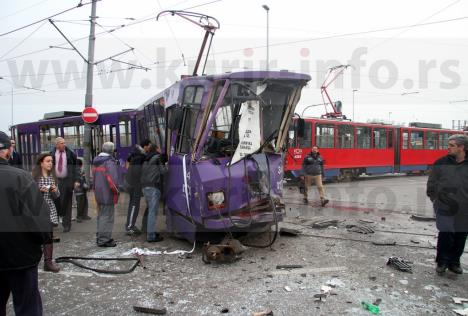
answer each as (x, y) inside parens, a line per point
(224, 137)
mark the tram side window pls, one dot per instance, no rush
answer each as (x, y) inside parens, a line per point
(345, 136)
(443, 140)
(108, 133)
(292, 135)
(416, 140)
(404, 144)
(324, 136)
(380, 138)
(71, 137)
(306, 140)
(390, 139)
(432, 139)
(125, 132)
(192, 101)
(363, 137)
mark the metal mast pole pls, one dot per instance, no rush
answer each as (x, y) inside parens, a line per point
(89, 91)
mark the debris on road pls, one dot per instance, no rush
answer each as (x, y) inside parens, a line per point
(459, 300)
(335, 283)
(150, 310)
(373, 309)
(324, 223)
(400, 264)
(422, 218)
(289, 232)
(388, 242)
(362, 229)
(287, 289)
(462, 312)
(289, 266)
(264, 313)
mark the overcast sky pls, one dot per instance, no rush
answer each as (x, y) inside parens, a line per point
(402, 70)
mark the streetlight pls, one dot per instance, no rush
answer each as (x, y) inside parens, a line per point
(267, 9)
(354, 90)
(389, 114)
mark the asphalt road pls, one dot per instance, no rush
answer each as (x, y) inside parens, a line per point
(350, 261)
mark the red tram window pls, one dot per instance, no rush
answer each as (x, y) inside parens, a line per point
(325, 135)
(345, 136)
(363, 137)
(432, 139)
(417, 139)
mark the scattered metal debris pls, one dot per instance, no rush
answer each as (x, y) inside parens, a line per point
(400, 264)
(362, 229)
(289, 266)
(287, 289)
(388, 242)
(321, 297)
(377, 302)
(289, 232)
(150, 310)
(422, 218)
(225, 311)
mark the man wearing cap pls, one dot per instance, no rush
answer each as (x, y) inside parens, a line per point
(24, 227)
(15, 159)
(68, 176)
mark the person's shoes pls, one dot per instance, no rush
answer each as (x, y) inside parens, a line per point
(325, 202)
(66, 229)
(455, 269)
(55, 239)
(109, 243)
(158, 238)
(86, 218)
(79, 220)
(133, 231)
(441, 268)
(305, 200)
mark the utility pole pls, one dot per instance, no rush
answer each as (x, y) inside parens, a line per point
(267, 9)
(89, 91)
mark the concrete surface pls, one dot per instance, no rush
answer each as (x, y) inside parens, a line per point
(187, 286)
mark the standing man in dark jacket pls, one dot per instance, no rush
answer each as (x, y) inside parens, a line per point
(312, 168)
(447, 187)
(24, 227)
(106, 192)
(151, 181)
(135, 162)
(15, 158)
(68, 176)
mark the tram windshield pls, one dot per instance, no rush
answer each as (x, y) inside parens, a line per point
(249, 118)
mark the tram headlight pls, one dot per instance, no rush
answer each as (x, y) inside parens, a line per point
(215, 200)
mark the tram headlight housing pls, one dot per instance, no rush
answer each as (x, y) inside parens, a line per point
(215, 200)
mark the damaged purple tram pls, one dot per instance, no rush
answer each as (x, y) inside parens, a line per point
(223, 136)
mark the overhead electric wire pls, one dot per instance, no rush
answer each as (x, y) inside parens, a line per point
(47, 18)
(23, 40)
(24, 9)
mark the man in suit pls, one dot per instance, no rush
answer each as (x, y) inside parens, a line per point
(15, 159)
(68, 176)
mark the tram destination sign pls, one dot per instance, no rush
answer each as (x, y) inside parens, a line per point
(89, 115)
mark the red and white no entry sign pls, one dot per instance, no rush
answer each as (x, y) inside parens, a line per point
(89, 115)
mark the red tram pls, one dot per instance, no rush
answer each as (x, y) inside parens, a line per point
(351, 148)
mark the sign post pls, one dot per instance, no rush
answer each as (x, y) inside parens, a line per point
(89, 115)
